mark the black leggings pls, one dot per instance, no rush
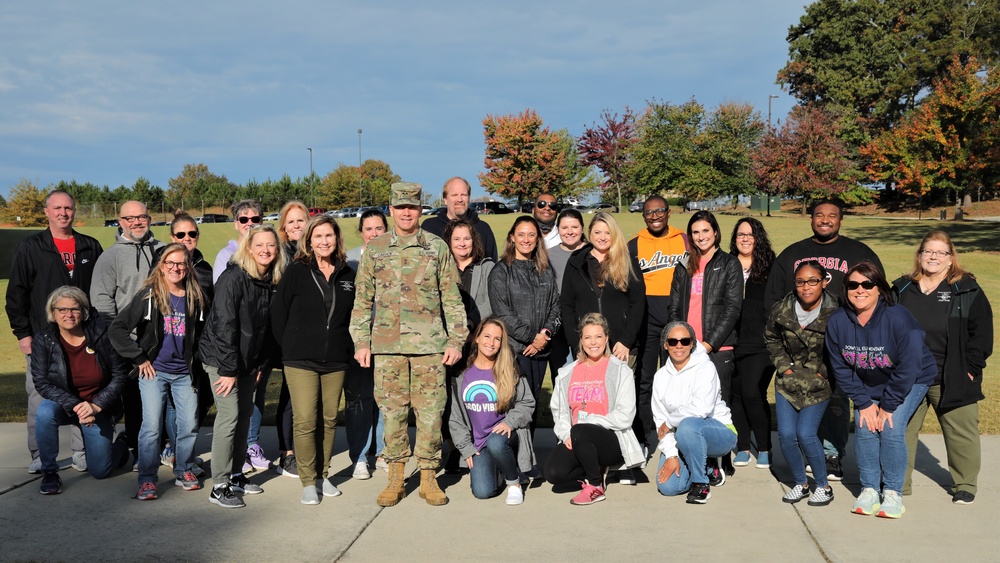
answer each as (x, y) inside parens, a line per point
(751, 411)
(594, 447)
(283, 419)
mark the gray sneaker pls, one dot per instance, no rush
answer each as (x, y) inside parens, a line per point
(35, 467)
(224, 497)
(309, 495)
(328, 488)
(242, 485)
(80, 461)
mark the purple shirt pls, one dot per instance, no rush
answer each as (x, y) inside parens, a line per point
(479, 395)
(170, 358)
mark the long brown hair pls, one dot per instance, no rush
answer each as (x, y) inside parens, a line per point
(505, 371)
(478, 253)
(956, 272)
(695, 261)
(157, 283)
(540, 256)
(304, 252)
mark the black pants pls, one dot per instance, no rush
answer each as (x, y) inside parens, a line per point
(132, 409)
(751, 411)
(651, 357)
(558, 350)
(594, 447)
(283, 419)
(725, 366)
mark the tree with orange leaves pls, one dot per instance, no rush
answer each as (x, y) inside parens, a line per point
(523, 157)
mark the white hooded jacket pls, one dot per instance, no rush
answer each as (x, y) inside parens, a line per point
(691, 392)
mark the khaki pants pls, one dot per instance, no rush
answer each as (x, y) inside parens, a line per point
(961, 441)
(402, 382)
(311, 393)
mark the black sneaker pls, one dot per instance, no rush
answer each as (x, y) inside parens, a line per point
(963, 497)
(240, 484)
(833, 470)
(288, 467)
(716, 476)
(699, 493)
(51, 484)
(224, 497)
(727, 465)
(453, 465)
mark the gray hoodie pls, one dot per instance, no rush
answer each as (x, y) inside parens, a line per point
(119, 273)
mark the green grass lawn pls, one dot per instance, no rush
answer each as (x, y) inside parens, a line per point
(894, 240)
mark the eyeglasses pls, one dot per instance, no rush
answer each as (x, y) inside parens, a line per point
(134, 218)
(655, 212)
(543, 204)
(935, 253)
(182, 234)
(68, 311)
(175, 265)
(675, 341)
(744, 235)
(244, 219)
(811, 282)
(868, 285)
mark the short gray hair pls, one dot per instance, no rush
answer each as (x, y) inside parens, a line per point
(671, 326)
(243, 205)
(67, 292)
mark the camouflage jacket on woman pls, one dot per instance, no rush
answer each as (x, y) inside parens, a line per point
(800, 349)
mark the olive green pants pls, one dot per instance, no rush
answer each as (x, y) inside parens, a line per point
(960, 427)
(312, 393)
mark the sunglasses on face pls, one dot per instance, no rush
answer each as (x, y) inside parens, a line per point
(543, 204)
(868, 285)
(181, 234)
(244, 220)
(675, 341)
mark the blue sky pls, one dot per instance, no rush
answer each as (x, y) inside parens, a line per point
(107, 92)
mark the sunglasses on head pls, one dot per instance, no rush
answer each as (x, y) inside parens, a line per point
(676, 341)
(869, 285)
(543, 204)
(244, 219)
(182, 234)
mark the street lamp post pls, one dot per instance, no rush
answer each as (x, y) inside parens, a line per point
(769, 130)
(312, 194)
(360, 198)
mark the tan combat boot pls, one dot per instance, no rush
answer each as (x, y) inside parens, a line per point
(429, 489)
(395, 490)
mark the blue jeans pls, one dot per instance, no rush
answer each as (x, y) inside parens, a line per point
(154, 399)
(836, 425)
(798, 429)
(361, 415)
(495, 466)
(882, 455)
(259, 400)
(697, 439)
(102, 456)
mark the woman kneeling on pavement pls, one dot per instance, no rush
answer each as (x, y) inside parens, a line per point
(593, 406)
(80, 378)
(166, 316)
(879, 359)
(794, 336)
(236, 348)
(491, 412)
(692, 421)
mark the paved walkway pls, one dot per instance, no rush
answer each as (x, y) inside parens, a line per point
(745, 519)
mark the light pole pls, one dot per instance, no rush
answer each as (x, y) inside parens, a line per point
(312, 195)
(769, 130)
(360, 199)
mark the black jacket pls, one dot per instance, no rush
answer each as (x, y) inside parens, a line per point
(970, 341)
(302, 325)
(49, 371)
(237, 338)
(722, 298)
(753, 319)
(144, 317)
(436, 224)
(201, 266)
(36, 270)
(525, 301)
(625, 310)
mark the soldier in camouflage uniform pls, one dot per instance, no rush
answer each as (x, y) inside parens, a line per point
(794, 336)
(408, 314)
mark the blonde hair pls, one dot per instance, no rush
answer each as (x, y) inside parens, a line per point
(294, 204)
(596, 319)
(67, 292)
(617, 265)
(956, 272)
(157, 283)
(505, 370)
(246, 262)
(305, 254)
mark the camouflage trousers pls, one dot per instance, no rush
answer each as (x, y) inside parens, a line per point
(402, 382)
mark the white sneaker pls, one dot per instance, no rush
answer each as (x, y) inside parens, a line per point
(515, 495)
(645, 457)
(361, 470)
(328, 488)
(382, 464)
(35, 467)
(80, 461)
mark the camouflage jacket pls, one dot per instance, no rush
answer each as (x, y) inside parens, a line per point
(801, 350)
(407, 299)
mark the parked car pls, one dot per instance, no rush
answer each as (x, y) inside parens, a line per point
(314, 211)
(158, 224)
(490, 207)
(273, 217)
(602, 207)
(426, 210)
(636, 206)
(212, 218)
(435, 211)
(112, 222)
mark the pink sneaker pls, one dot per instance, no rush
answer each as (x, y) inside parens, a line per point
(589, 495)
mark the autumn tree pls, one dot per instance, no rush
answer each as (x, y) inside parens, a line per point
(523, 157)
(26, 204)
(950, 142)
(605, 145)
(805, 158)
(580, 179)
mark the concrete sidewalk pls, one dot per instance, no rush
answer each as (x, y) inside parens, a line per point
(745, 519)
